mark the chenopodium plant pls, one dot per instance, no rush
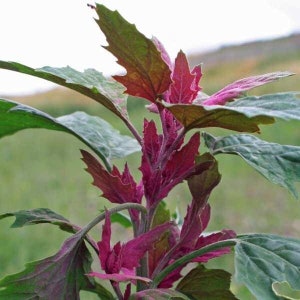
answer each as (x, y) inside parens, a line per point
(149, 265)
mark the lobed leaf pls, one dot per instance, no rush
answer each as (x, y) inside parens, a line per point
(271, 258)
(201, 283)
(96, 133)
(280, 164)
(61, 276)
(91, 83)
(147, 73)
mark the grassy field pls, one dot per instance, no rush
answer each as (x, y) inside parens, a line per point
(43, 169)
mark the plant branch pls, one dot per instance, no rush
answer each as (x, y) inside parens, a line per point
(187, 258)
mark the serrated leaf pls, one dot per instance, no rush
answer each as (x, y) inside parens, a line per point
(91, 83)
(197, 116)
(61, 276)
(261, 260)
(96, 133)
(280, 164)
(39, 215)
(158, 294)
(147, 74)
(204, 284)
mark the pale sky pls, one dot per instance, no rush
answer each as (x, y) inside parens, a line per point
(62, 32)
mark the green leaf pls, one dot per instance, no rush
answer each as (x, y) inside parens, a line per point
(158, 294)
(91, 83)
(203, 284)
(261, 260)
(284, 290)
(61, 276)
(280, 164)
(243, 115)
(39, 215)
(122, 219)
(96, 133)
(148, 75)
(197, 116)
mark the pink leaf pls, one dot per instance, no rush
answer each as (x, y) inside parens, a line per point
(104, 244)
(236, 89)
(119, 277)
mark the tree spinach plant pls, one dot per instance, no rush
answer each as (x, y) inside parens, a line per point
(149, 264)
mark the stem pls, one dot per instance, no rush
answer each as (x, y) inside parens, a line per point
(117, 289)
(133, 130)
(187, 258)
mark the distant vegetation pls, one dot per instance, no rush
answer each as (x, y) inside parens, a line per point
(59, 182)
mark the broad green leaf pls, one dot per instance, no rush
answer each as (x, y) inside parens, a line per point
(284, 290)
(158, 294)
(96, 133)
(278, 163)
(261, 260)
(61, 276)
(91, 83)
(39, 215)
(197, 116)
(243, 115)
(148, 75)
(203, 284)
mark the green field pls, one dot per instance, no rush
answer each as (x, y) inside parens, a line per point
(43, 169)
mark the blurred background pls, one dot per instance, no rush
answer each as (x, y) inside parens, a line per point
(232, 39)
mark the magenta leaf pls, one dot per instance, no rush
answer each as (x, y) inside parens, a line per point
(116, 187)
(61, 276)
(201, 283)
(119, 277)
(184, 88)
(148, 76)
(237, 88)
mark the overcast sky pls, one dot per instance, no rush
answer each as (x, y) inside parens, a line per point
(63, 32)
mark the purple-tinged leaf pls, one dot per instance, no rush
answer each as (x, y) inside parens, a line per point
(201, 283)
(61, 276)
(116, 187)
(237, 88)
(158, 294)
(185, 87)
(148, 76)
(40, 215)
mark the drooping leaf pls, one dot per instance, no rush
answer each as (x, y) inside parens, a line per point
(278, 163)
(237, 88)
(159, 294)
(197, 116)
(91, 83)
(96, 133)
(61, 276)
(204, 284)
(40, 215)
(269, 259)
(147, 73)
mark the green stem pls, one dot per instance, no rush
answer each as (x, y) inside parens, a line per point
(187, 258)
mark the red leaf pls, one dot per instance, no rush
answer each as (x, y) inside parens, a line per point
(116, 187)
(147, 73)
(185, 87)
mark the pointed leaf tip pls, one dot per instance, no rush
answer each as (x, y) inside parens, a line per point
(148, 75)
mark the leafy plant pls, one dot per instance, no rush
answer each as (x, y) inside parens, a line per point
(149, 264)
